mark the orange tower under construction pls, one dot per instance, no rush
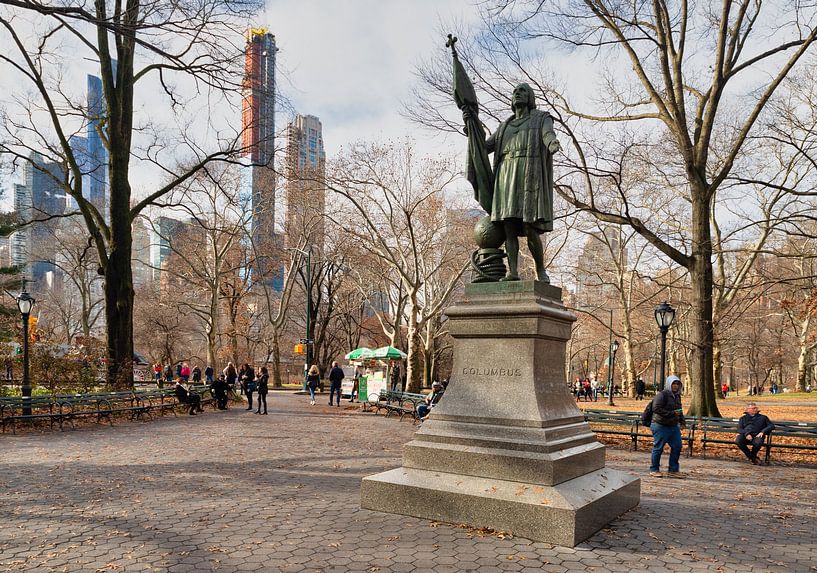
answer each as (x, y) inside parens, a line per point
(258, 123)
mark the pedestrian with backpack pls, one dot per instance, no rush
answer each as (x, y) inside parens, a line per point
(666, 423)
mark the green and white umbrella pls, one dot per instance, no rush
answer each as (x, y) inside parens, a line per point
(361, 353)
(388, 353)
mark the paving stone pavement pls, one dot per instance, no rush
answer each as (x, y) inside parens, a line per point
(234, 491)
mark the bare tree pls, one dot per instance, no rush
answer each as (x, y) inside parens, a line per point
(188, 48)
(398, 205)
(684, 63)
(75, 301)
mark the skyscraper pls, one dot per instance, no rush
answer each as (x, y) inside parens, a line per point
(42, 197)
(18, 240)
(258, 123)
(306, 191)
(95, 186)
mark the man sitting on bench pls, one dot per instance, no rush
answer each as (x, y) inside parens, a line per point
(431, 400)
(185, 396)
(753, 427)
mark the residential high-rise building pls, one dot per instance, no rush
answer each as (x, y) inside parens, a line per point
(164, 231)
(140, 252)
(18, 240)
(305, 187)
(258, 135)
(95, 187)
(44, 197)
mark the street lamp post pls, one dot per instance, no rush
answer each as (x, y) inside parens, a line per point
(25, 303)
(664, 315)
(613, 350)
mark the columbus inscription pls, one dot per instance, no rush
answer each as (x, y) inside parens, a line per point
(509, 372)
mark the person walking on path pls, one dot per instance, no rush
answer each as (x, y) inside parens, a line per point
(208, 375)
(336, 376)
(587, 390)
(667, 421)
(313, 378)
(248, 382)
(263, 388)
(196, 372)
(640, 388)
(753, 427)
(168, 374)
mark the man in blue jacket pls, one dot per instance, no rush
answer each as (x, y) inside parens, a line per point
(667, 421)
(753, 427)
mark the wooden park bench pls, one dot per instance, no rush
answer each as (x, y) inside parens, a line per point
(786, 435)
(619, 423)
(405, 403)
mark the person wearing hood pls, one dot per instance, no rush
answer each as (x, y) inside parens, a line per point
(667, 421)
(753, 427)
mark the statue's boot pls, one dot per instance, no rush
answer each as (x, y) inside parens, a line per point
(542, 276)
(510, 277)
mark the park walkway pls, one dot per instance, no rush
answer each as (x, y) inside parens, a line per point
(234, 491)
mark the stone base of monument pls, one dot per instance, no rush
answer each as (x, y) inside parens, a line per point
(507, 448)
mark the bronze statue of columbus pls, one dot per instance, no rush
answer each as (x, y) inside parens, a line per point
(517, 190)
(523, 148)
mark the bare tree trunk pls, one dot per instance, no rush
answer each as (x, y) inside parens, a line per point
(802, 358)
(703, 401)
(276, 361)
(415, 346)
(717, 367)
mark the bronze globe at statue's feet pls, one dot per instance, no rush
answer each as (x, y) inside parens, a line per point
(488, 234)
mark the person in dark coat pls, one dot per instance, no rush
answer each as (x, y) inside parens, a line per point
(336, 377)
(395, 378)
(431, 400)
(248, 382)
(230, 375)
(220, 389)
(753, 427)
(208, 374)
(186, 397)
(263, 388)
(640, 388)
(196, 373)
(667, 421)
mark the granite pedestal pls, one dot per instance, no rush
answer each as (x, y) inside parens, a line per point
(507, 447)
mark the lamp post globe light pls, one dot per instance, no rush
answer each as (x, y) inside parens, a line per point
(25, 303)
(664, 315)
(610, 385)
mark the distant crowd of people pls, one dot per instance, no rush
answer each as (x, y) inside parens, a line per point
(243, 380)
(589, 389)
